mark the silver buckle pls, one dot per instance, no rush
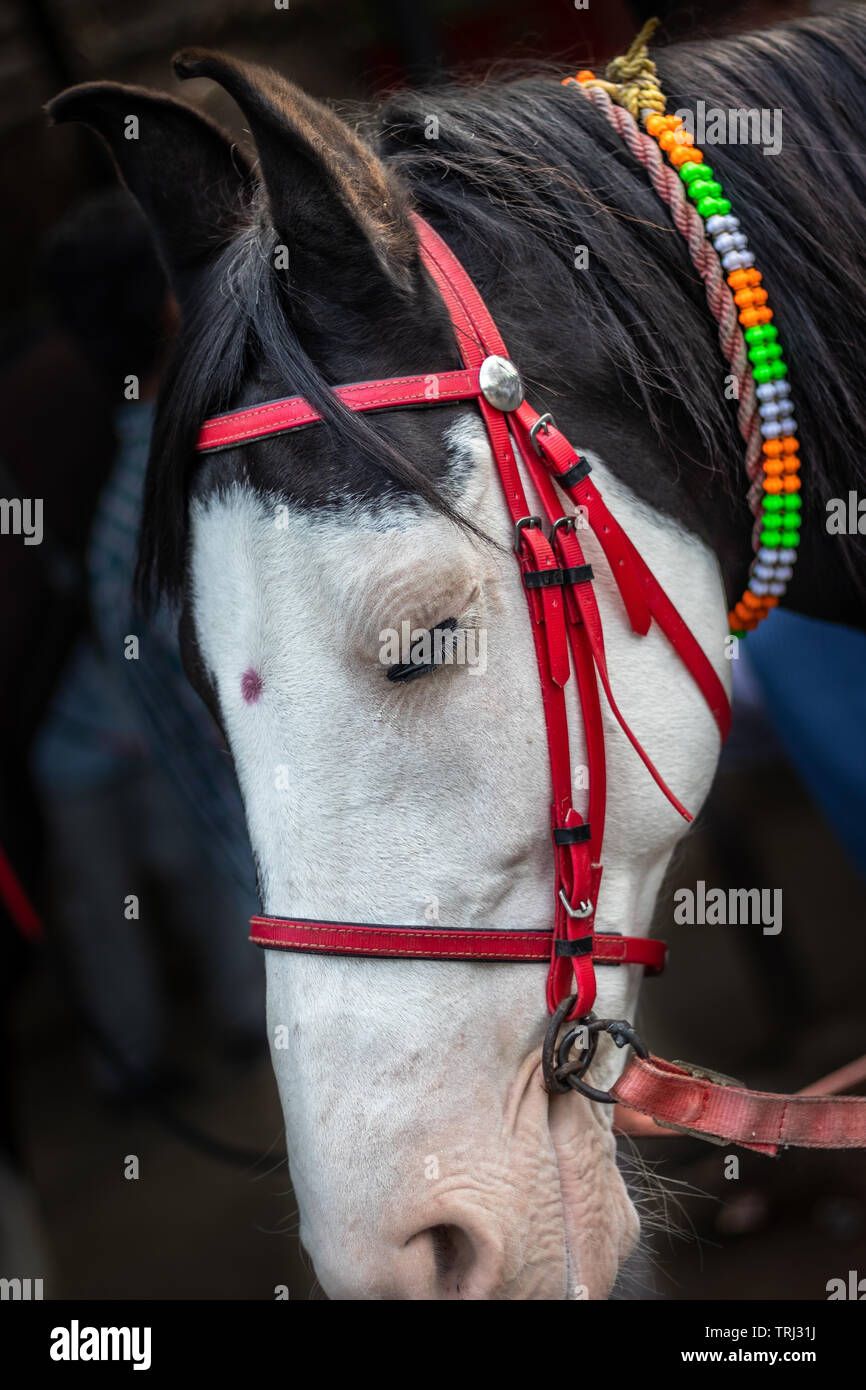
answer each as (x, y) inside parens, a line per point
(528, 521)
(544, 423)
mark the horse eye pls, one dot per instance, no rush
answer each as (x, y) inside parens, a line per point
(425, 656)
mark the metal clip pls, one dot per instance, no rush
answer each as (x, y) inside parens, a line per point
(585, 909)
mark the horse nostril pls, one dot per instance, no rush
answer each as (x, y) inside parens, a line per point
(455, 1257)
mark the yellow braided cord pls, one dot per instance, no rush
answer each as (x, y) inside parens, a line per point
(631, 80)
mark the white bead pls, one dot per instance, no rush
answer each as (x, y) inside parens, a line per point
(789, 425)
(775, 589)
(771, 429)
(759, 586)
(747, 258)
(783, 388)
(733, 260)
(786, 556)
(717, 223)
(724, 242)
(764, 571)
(766, 391)
(784, 571)
(771, 411)
(741, 241)
(770, 554)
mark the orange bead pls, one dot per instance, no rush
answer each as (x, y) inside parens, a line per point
(773, 467)
(772, 601)
(789, 444)
(772, 484)
(681, 155)
(772, 448)
(754, 276)
(752, 601)
(791, 483)
(791, 463)
(586, 75)
(762, 315)
(738, 279)
(655, 124)
(671, 122)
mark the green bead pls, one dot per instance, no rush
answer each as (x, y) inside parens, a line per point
(767, 352)
(772, 503)
(707, 206)
(790, 539)
(724, 205)
(773, 538)
(791, 520)
(690, 170)
(765, 372)
(778, 370)
(792, 501)
(738, 632)
(761, 333)
(704, 188)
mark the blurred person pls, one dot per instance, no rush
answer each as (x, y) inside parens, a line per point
(140, 802)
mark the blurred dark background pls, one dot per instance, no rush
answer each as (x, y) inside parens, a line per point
(134, 1027)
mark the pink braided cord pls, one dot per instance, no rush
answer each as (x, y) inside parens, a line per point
(688, 222)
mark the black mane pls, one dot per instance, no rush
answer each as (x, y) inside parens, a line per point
(524, 171)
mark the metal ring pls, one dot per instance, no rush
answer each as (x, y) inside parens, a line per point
(586, 908)
(562, 1074)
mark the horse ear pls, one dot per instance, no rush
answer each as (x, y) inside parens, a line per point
(326, 187)
(192, 182)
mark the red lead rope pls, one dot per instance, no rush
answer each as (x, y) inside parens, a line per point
(567, 630)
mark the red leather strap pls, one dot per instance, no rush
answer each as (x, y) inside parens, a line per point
(291, 412)
(566, 627)
(443, 943)
(754, 1119)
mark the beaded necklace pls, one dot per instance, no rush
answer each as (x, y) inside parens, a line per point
(631, 83)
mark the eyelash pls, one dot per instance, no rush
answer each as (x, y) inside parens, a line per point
(404, 672)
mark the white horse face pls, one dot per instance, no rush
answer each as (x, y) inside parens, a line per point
(427, 1159)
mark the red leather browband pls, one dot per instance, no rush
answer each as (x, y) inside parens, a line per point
(292, 412)
(445, 943)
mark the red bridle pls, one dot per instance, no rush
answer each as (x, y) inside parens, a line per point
(567, 629)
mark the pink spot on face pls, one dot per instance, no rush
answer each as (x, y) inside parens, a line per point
(251, 685)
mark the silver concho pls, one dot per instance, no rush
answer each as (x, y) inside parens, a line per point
(500, 383)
